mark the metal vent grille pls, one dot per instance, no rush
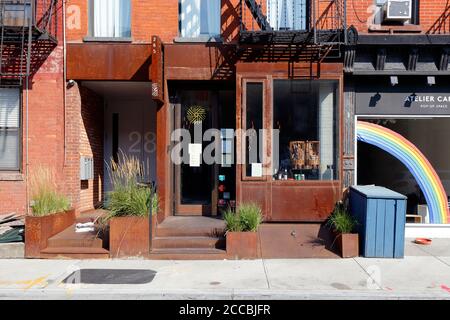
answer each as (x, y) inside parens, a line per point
(86, 168)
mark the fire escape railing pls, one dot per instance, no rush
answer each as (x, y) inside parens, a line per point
(255, 9)
(28, 34)
(319, 22)
(330, 18)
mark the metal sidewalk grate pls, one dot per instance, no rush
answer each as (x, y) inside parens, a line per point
(111, 276)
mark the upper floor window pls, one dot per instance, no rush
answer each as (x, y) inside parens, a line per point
(110, 18)
(287, 14)
(9, 129)
(199, 18)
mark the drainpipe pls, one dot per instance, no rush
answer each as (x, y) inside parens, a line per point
(64, 80)
(27, 87)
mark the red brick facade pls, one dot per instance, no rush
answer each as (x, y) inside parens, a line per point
(85, 138)
(434, 16)
(58, 133)
(45, 133)
(156, 17)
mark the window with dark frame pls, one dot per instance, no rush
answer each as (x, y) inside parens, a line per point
(10, 129)
(253, 124)
(110, 18)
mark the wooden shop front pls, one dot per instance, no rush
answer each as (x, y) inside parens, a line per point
(305, 111)
(297, 174)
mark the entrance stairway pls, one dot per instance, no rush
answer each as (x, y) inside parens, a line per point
(189, 238)
(71, 245)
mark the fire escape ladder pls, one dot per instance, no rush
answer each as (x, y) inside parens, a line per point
(329, 26)
(303, 33)
(14, 43)
(258, 15)
(27, 36)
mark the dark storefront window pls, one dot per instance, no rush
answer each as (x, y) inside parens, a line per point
(306, 115)
(253, 125)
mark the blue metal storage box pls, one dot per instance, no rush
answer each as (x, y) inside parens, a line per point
(381, 216)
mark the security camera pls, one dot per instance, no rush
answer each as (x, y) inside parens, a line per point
(70, 83)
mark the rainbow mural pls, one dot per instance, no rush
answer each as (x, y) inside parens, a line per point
(415, 161)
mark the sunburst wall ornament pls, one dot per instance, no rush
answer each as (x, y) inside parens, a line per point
(196, 114)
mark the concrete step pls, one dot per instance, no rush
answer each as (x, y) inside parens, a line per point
(74, 253)
(188, 254)
(15, 250)
(70, 238)
(194, 242)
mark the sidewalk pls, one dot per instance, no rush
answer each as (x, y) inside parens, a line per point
(423, 274)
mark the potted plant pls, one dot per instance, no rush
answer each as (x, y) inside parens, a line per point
(129, 205)
(50, 212)
(241, 231)
(343, 225)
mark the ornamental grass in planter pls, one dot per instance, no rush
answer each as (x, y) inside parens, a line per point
(241, 231)
(50, 212)
(129, 205)
(343, 226)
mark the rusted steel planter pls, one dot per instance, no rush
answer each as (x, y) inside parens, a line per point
(242, 245)
(130, 237)
(348, 244)
(39, 229)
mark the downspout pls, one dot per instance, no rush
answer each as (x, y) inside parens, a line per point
(64, 81)
(27, 88)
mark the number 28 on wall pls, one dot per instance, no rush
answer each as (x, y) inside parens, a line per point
(139, 142)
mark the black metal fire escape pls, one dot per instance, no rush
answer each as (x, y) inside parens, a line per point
(313, 31)
(28, 34)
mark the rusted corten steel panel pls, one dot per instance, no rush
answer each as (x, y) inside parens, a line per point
(200, 61)
(112, 61)
(305, 201)
(39, 229)
(129, 237)
(163, 163)
(296, 241)
(242, 245)
(281, 69)
(157, 70)
(316, 202)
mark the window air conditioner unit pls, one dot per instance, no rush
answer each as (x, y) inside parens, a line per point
(395, 10)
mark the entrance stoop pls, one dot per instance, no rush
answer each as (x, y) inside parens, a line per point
(71, 245)
(189, 238)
